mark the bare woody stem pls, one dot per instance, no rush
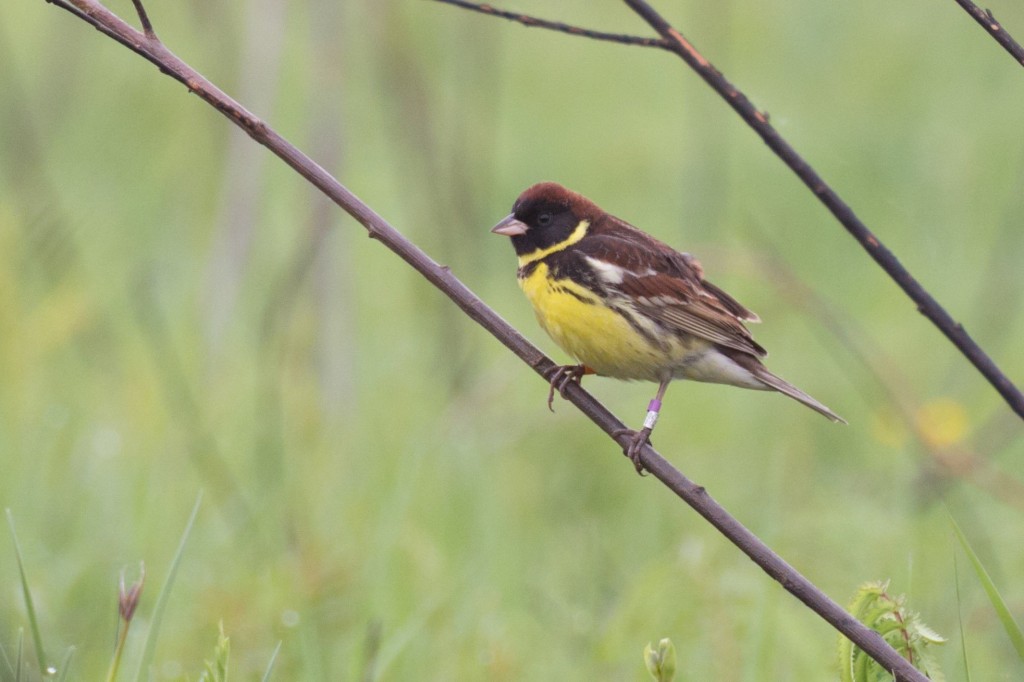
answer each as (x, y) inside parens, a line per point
(528, 20)
(148, 46)
(675, 42)
(988, 22)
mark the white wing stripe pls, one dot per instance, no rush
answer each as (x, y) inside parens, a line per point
(608, 273)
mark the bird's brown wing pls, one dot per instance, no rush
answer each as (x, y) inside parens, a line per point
(666, 285)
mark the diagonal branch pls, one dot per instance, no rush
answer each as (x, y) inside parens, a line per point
(926, 304)
(441, 277)
(528, 20)
(988, 22)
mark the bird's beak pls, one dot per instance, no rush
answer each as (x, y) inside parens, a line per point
(510, 226)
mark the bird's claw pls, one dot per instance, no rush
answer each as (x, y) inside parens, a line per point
(560, 377)
(635, 445)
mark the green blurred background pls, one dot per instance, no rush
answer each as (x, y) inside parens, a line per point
(384, 488)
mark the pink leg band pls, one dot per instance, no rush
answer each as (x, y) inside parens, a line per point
(655, 406)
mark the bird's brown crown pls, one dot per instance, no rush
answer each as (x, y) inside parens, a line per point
(551, 214)
(552, 193)
(552, 196)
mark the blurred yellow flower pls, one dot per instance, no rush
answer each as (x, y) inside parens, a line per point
(942, 422)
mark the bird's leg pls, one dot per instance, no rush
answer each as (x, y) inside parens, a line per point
(637, 439)
(561, 376)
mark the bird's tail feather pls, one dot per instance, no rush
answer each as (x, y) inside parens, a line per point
(795, 393)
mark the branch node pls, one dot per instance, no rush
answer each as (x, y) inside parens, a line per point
(988, 21)
(538, 365)
(147, 27)
(257, 126)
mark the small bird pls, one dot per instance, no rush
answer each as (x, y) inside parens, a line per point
(627, 306)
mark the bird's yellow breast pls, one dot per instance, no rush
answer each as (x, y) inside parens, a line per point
(590, 331)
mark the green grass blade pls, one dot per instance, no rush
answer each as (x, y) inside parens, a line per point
(1013, 630)
(7, 663)
(27, 594)
(273, 659)
(165, 592)
(21, 653)
(66, 664)
(960, 619)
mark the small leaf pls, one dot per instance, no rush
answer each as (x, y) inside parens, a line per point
(217, 670)
(651, 660)
(901, 628)
(661, 663)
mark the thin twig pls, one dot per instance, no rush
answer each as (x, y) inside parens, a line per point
(147, 27)
(442, 278)
(758, 120)
(988, 22)
(528, 20)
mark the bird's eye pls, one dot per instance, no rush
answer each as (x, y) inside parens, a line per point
(544, 219)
